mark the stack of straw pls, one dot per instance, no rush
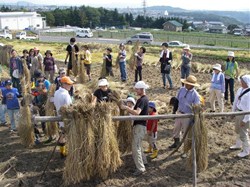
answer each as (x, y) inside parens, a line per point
(82, 73)
(74, 63)
(200, 135)
(133, 58)
(93, 147)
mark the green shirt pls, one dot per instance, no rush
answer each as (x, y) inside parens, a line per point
(230, 69)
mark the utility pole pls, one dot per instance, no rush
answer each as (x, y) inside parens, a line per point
(144, 4)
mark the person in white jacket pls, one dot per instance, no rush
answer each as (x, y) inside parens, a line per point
(62, 98)
(242, 123)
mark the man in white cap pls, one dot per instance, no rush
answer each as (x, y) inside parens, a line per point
(186, 58)
(217, 88)
(187, 96)
(242, 123)
(102, 94)
(231, 72)
(139, 126)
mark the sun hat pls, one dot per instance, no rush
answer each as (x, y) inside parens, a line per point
(152, 105)
(141, 85)
(187, 47)
(190, 80)
(48, 51)
(131, 99)
(103, 82)
(230, 53)
(217, 67)
(66, 80)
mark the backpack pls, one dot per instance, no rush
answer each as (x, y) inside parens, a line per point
(243, 93)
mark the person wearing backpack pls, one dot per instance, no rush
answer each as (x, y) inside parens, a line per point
(242, 123)
(231, 72)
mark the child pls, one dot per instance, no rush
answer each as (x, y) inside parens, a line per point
(217, 88)
(108, 57)
(130, 102)
(122, 62)
(86, 58)
(139, 60)
(152, 131)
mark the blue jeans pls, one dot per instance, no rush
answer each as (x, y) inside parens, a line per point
(13, 117)
(123, 70)
(185, 71)
(164, 76)
(2, 113)
(230, 83)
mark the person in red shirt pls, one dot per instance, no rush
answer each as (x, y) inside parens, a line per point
(152, 132)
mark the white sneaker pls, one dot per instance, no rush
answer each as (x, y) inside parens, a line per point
(244, 154)
(235, 147)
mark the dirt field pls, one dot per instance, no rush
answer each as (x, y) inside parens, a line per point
(224, 168)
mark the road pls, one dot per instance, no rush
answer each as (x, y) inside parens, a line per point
(118, 41)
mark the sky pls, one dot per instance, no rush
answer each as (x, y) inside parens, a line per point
(185, 4)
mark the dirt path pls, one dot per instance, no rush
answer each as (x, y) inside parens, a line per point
(224, 169)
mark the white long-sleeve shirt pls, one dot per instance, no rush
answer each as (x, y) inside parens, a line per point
(242, 104)
(61, 98)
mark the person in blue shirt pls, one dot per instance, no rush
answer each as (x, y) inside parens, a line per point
(41, 79)
(3, 109)
(10, 95)
(217, 88)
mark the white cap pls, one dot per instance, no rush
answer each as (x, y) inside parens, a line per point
(230, 53)
(131, 99)
(103, 82)
(217, 67)
(141, 85)
(187, 47)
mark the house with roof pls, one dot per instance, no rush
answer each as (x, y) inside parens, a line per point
(172, 25)
(218, 29)
(21, 20)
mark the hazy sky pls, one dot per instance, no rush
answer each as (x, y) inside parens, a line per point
(186, 4)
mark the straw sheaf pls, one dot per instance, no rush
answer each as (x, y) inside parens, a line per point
(74, 63)
(82, 74)
(103, 70)
(51, 127)
(133, 59)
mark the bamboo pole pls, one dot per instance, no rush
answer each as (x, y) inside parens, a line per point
(147, 117)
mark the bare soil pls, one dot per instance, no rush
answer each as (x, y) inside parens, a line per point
(224, 168)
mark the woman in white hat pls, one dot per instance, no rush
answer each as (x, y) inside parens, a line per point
(231, 72)
(186, 58)
(103, 92)
(217, 88)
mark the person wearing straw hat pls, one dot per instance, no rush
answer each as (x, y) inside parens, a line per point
(139, 126)
(186, 58)
(217, 88)
(187, 96)
(165, 60)
(242, 123)
(102, 94)
(231, 72)
(62, 98)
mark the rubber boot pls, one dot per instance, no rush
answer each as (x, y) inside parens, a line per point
(63, 151)
(176, 143)
(155, 154)
(149, 150)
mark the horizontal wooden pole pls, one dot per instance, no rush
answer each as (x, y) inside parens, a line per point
(147, 117)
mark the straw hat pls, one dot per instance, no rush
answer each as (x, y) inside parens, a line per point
(187, 47)
(217, 67)
(230, 53)
(190, 80)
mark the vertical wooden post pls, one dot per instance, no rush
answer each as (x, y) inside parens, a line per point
(194, 158)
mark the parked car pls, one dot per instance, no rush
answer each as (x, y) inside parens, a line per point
(84, 33)
(176, 44)
(6, 34)
(144, 37)
(23, 35)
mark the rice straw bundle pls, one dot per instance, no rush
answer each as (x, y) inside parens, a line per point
(117, 60)
(82, 73)
(201, 141)
(133, 58)
(93, 147)
(26, 129)
(51, 127)
(103, 70)
(74, 63)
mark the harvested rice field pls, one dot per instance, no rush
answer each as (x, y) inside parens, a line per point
(22, 166)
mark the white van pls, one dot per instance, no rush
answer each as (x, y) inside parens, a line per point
(84, 33)
(144, 37)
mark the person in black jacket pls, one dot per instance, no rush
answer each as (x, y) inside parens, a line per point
(165, 60)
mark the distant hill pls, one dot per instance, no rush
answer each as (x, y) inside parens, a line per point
(165, 8)
(242, 16)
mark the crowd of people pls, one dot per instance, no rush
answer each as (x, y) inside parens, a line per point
(43, 69)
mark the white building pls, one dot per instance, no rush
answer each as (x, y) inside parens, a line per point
(21, 20)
